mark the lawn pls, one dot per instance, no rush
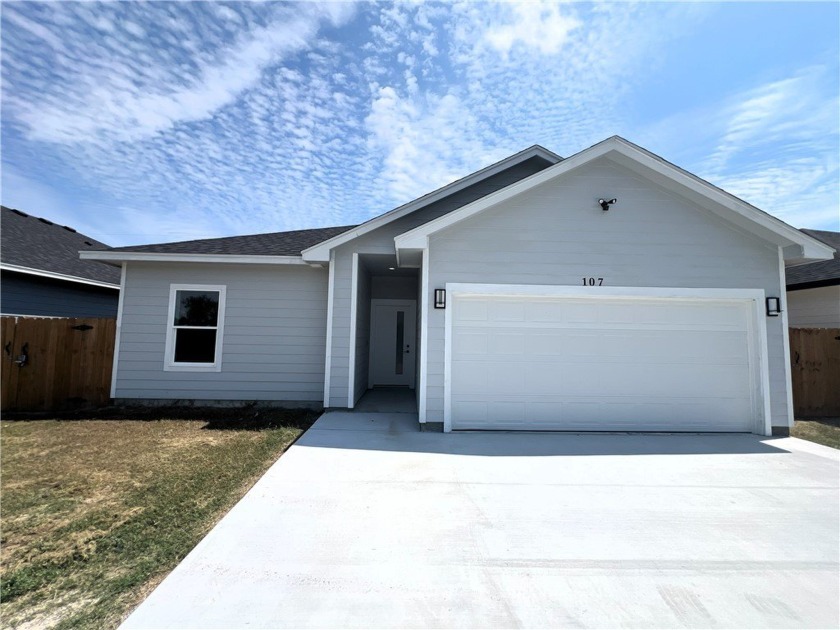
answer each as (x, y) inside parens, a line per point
(820, 430)
(96, 512)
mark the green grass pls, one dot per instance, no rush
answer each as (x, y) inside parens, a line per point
(96, 512)
(820, 430)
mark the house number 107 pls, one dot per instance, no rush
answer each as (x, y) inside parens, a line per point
(592, 282)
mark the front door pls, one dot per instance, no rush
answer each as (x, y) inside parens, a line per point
(393, 326)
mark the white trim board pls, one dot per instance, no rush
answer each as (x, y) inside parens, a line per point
(423, 378)
(56, 276)
(244, 259)
(623, 152)
(328, 357)
(354, 305)
(320, 252)
(120, 301)
(169, 364)
(786, 332)
(758, 327)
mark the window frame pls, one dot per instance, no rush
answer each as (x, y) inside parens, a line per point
(169, 363)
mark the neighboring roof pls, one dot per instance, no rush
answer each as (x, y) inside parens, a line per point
(272, 244)
(821, 273)
(37, 246)
(795, 244)
(320, 252)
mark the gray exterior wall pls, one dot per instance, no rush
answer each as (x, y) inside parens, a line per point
(274, 335)
(25, 294)
(381, 241)
(556, 234)
(814, 308)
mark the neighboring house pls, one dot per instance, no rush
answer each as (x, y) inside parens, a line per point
(41, 273)
(813, 289)
(510, 299)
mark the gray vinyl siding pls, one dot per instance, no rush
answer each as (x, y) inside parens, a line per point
(25, 294)
(274, 333)
(814, 308)
(381, 241)
(556, 234)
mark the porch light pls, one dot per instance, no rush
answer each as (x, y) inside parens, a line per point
(440, 298)
(774, 307)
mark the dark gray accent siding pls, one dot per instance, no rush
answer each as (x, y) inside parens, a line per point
(25, 294)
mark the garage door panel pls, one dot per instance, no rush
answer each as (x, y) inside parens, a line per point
(619, 414)
(548, 363)
(470, 343)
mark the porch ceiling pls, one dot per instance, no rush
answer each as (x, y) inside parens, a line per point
(385, 265)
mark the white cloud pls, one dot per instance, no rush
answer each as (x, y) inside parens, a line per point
(426, 142)
(101, 103)
(543, 25)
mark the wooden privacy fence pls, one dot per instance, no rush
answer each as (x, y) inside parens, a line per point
(815, 371)
(56, 363)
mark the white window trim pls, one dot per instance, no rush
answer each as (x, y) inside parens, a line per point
(169, 364)
(759, 360)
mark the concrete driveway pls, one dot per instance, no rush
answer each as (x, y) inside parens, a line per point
(368, 523)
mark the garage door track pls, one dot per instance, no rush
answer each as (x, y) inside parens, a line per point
(367, 523)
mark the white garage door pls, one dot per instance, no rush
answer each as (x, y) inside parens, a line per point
(613, 364)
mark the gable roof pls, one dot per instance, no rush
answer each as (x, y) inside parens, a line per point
(37, 246)
(274, 245)
(820, 273)
(321, 251)
(796, 245)
(271, 248)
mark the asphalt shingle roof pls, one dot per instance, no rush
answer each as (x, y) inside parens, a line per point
(271, 244)
(820, 271)
(28, 241)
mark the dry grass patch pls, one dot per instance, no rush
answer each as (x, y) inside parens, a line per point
(820, 430)
(96, 512)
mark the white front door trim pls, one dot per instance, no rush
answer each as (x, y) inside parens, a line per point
(758, 345)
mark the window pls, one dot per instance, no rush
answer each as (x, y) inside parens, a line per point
(194, 329)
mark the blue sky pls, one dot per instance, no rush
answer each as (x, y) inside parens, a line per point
(146, 122)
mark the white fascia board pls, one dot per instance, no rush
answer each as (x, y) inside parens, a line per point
(57, 276)
(613, 147)
(321, 251)
(199, 258)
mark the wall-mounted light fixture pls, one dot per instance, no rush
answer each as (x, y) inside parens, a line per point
(774, 307)
(606, 203)
(440, 298)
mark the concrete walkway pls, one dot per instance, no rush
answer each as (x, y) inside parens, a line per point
(368, 523)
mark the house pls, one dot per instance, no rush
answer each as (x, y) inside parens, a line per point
(610, 290)
(813, 289)
(41, 272)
